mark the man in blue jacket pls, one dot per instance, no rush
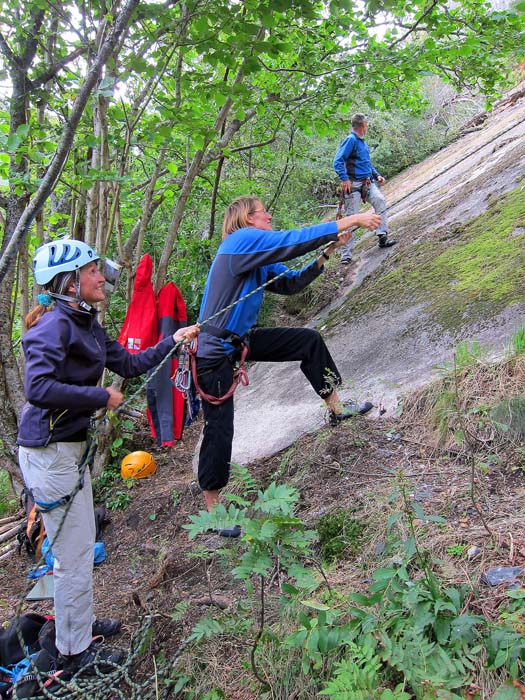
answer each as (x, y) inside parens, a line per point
(358, 177)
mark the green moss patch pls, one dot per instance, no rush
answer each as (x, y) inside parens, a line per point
(339, 534)
(463, 275)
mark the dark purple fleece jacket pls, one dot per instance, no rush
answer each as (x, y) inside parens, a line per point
(65, 354)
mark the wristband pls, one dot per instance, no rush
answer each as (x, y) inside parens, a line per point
(325, 255)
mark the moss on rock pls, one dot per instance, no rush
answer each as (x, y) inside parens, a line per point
(463, 275)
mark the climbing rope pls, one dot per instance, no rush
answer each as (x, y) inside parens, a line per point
(119, 680)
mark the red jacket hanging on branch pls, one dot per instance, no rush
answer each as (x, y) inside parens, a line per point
(165, 403)
(147, 321)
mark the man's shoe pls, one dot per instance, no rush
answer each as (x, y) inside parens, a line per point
(350, 409)
(385, 241)
(234, 531)
(106, 627)
(346, 260)
(92, 660)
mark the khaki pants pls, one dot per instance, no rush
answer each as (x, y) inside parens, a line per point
(352, 206)
(52, 472)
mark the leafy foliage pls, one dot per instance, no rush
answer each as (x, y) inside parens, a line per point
(339, 533)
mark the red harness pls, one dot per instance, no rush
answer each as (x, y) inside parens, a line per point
(239, 375)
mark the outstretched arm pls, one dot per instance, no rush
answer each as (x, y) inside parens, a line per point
(346, 227)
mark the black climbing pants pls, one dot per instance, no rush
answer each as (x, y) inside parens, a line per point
(266, 345)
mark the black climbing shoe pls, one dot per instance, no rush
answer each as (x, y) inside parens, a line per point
(385, 241)
(346, 260)
(350, 409)
(234, 531)
(90, 661)
(106, 627)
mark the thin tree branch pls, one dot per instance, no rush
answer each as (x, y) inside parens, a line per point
(66, 141)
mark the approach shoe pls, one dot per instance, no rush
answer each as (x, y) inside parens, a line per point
(234, 531)
(350, 409)
(385, 241)
(106, 627)
(95, 659)
(346, 260)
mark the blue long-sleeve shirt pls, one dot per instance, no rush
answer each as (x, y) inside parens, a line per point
(352, 161)
(245, 260)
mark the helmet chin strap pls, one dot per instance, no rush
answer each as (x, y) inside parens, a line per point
(76, 300)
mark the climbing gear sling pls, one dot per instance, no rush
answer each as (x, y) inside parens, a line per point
(239, 375)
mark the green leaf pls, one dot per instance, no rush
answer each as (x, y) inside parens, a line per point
(13, 142)
(23, 130)
(459, 437)
(384, 574)
(366, 601)
(315, 604)
(416, 507)
(507, 691)
(442, 629)
(392, 520)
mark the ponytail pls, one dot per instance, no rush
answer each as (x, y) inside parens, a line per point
(59, 285)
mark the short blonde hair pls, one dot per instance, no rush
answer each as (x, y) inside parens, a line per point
(236, 215)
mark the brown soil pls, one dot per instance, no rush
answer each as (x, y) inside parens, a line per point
(151, 567)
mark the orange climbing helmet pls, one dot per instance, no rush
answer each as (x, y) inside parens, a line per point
(137, 465)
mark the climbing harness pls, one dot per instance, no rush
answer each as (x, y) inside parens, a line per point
(363, 189)
(85, 463)
(239, 375)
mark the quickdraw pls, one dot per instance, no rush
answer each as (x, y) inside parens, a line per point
(182, 377)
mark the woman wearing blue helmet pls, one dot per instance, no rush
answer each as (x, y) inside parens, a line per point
(66, 350)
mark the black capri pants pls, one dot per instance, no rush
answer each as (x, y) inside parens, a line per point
(266, 345)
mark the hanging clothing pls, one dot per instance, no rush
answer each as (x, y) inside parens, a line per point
(150, 319)
(139, 330)
(165, 403)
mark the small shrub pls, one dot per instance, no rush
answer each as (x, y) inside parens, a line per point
(119, 500)
(456, 550)
(339, 534)
(8, 501)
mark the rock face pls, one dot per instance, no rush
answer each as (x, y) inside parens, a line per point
(376, 350)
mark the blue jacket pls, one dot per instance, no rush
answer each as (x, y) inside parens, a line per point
(352, 160)
(65, 353)
(245, 260)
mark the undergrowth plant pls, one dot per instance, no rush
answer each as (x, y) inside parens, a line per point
(517, 346)
(339, 534)
(409, 636)
(8, 501)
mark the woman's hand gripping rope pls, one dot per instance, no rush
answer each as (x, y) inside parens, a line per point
(180, 337)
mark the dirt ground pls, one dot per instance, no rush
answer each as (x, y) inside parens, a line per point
(151, 568)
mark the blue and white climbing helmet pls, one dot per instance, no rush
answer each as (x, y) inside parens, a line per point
(66, 255)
